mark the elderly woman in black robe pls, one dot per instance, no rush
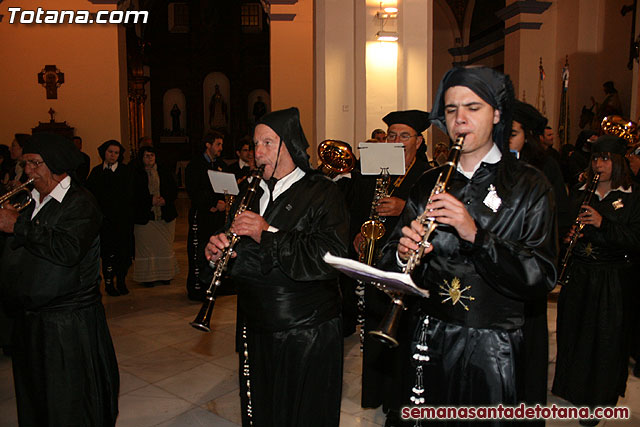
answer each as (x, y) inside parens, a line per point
(64, 366)
(289, 299)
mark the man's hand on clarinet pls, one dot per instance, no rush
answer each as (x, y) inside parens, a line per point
(249, 224)
(217, 243)
(446, 209)
(408, 243)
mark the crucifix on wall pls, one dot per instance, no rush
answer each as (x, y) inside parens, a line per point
(51, 78)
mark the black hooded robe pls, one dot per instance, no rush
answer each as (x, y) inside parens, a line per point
(290, 301)
(474, 355)
(64, 365)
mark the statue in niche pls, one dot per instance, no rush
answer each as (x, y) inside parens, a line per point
(218, 117)
(259, 109)
(175, 119)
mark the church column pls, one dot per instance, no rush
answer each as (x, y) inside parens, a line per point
(415, 54)
(529, 36)
(292, 57)
(335, 70)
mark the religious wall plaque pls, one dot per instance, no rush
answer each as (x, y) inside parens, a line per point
(51, 78)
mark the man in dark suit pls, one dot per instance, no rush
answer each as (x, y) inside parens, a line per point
(207, 212)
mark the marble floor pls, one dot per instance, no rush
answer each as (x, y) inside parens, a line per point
(174, 375)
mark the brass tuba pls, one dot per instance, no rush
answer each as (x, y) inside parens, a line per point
(625, 129)
(336, 157)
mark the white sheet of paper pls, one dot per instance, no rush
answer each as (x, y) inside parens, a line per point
(375, 156)
(223, 182)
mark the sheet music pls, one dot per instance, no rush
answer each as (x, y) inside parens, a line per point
(390, 281)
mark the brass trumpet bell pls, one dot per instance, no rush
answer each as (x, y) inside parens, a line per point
(6, 197)
(336, 157)
(622, 128)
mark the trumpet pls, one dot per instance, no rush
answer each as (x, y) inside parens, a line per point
(19, 189)
(388, 329)
(203, 319)
(591, 188)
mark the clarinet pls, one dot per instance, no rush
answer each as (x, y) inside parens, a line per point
(563, 279)
(203, 319)
(387, 331)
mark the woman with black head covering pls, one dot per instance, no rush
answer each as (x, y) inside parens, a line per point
(111, 184)
(494, 248)
(594, 305)
(289, 300)
(64, 366)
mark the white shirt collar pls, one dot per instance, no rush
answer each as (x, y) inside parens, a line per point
(493, 156)
(242, 163)
(281, 186)
(58, 193)
(113, 167)
(621, 189)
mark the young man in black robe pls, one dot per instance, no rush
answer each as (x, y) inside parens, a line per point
(64, 366)
(380, 364)
(494, 248)
(207, 212)
(111, 182)
(291, 369)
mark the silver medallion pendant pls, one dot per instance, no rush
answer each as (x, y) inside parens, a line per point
(492, 200)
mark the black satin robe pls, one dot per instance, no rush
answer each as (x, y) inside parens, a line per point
(475, 353)
(64, 365)
(290, 302)
(595, 306)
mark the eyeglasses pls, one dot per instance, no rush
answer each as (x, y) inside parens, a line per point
(603, 157)
(33, 163)
(404, 136)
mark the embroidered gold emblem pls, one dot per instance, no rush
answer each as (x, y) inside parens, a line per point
(588, 250)
(454, 293)
(617, 204)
